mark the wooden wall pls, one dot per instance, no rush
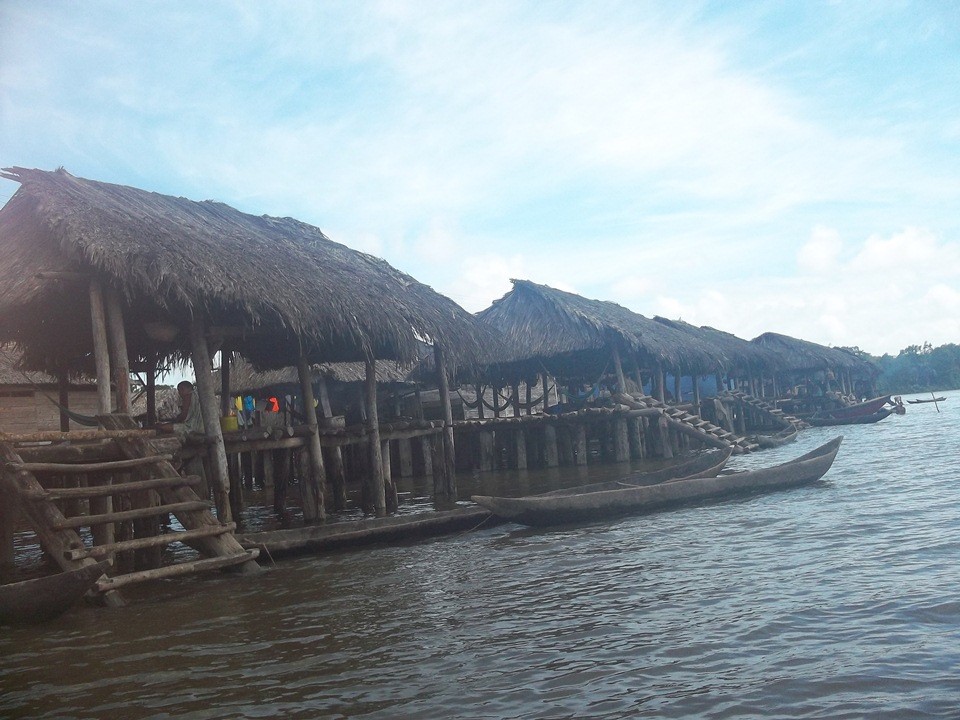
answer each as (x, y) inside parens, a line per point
(23, 409)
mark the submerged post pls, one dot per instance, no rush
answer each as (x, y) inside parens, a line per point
(203, 368)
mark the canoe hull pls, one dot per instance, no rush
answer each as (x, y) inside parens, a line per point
(42, 599)
(555, 510)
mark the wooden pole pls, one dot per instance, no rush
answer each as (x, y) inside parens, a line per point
(101, 351)
(203, 368)
(449, 453)
(152, 394)
(119, 359)
(63, 391)
(313, 490)
(618, 366)
(375, 482)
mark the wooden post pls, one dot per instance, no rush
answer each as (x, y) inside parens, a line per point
(119, 359)
(618, 366)
(333, 456)
(579, 438)
(101, 351)
(390, 489)
(313, 490)
(203, 368)
(449, 453)
(374, 481)
(550, 455)
(152, 393)
(63, 391)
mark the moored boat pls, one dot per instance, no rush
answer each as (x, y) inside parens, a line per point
(41, 599)
(575, 505)
(787, 435)
(855, 420)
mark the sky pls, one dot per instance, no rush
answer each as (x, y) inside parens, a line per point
(753, 166)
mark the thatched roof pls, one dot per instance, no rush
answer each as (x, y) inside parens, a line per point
(11, 372)
(803, 355)
(559, 330)
(244, 378)
(283, 281)
(735, 355)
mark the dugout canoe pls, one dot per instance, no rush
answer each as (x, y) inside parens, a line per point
(856, 420)
(42, 599)
(556, 508)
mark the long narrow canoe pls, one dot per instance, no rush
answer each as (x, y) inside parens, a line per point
(34, 601)
(556, 508)
(867, 407)
(856, 420)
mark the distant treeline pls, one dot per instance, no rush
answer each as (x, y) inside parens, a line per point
(918, 368)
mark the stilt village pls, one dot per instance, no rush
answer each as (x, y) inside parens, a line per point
(322, 376)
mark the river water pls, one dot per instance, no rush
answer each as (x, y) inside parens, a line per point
(837, 600)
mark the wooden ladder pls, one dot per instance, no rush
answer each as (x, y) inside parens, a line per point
(692, 425)
(161, 492)
(775, 413)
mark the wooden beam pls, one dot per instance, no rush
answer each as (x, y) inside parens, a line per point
(203, 369)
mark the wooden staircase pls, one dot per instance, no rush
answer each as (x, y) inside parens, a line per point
(690, 424)
(768, 409)
(158, 492)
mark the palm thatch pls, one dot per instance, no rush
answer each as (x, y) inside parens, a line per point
(283, 282)
(805, 356)
(570, 335)
(735, 356)
(245, 379)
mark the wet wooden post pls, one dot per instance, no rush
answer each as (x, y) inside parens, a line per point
(376, 490)
(389, 487)
(102, 534)
(209, 410)
(579, 441)
(316, 478)
(119, 359)
(485, 440)
(449, 452)
(333, 456)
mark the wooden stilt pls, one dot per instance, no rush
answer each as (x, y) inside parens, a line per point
(217, 454)
(313, 485)
(618, 367)
(449, 452)
(101, 351)
(550, 455)
(119, 359)
(63, 391)
(375, 481)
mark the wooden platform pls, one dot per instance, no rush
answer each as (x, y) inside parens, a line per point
(347, 534)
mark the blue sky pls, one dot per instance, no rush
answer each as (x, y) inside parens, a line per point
(781, 166)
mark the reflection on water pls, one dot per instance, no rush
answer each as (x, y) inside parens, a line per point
(831, 601)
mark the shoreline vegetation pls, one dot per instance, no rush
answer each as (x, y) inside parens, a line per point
(916, 369)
